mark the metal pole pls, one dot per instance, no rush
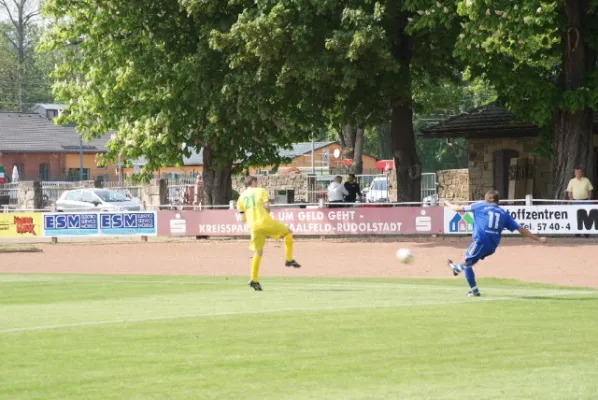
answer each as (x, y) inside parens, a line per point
(80, 158)
(313, 161)
(120, 172)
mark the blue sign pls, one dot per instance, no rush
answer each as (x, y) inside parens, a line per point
(128, 223)
(61, 224)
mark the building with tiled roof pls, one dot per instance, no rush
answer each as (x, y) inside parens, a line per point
(327, 157)
(42, 150)
(501, 152)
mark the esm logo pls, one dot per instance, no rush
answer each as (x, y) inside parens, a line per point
(587, 220)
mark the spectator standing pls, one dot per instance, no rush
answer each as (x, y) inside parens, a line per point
(336, 192)
(580, 188)
(352, 188)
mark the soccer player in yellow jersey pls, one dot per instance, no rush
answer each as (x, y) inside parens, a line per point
(254, 207)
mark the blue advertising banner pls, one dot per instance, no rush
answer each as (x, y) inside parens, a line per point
(63, 224)
(134, 223)
(128, 224)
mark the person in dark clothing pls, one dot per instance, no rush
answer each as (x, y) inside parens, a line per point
(353, 188)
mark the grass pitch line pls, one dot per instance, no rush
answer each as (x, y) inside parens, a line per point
(281, 310)
(348, 284)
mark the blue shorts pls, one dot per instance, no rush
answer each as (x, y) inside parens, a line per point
(478, 251)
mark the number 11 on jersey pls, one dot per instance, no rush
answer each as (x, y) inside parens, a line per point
(246, 199)
(493, 220)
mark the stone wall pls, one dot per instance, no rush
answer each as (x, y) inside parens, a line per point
(30, 195)
(453, 184)
(272, 183)
(154, 194)
(393, 195)
(481, 168)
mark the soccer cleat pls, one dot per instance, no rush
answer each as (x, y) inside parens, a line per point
(454, 267)
(256, 286)
(471, 293)
(292, 263)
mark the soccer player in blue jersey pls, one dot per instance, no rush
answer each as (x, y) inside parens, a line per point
(489, 220)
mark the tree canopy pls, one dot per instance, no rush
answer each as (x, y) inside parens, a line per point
(358, 62)
(147, 71)
(541, 58)
(24, 78)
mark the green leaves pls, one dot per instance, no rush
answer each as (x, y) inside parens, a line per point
(155, 75)
(517, 47)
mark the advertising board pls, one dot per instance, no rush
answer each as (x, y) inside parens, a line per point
(548, 220)
(20, 225)
(134, 223)
(337, 221)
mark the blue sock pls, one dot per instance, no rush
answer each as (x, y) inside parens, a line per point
(470, 276)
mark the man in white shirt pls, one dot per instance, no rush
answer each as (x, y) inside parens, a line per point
(336, 192)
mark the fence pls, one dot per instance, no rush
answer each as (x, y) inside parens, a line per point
(132, 191)
(179, 195)
(374, 188)
(556, 220)
(429, 186)
(51, 191)
(9, 194)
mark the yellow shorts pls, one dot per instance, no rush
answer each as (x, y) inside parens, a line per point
(273, 229)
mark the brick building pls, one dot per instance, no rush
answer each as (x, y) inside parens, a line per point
(328, 158)
(499, 149)
(44, 151)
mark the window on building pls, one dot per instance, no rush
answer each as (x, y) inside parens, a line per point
(51, 114)
(502, 160)
(325, 156)
(73, 174)
(44, 172)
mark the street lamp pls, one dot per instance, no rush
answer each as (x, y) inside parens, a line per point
(76, 42)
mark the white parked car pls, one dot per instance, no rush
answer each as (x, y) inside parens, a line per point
(377, 192)
(95, 200)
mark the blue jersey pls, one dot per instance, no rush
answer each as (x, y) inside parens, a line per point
(489, 220)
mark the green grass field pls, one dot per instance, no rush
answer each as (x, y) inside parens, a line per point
(124, 337)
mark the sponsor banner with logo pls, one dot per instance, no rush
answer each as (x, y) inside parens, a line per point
(133, 223)
(549, 220)
(20, 225)
(337, 221)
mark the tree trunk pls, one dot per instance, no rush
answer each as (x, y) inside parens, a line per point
(348, 141)
(385, 141)
(217, 180)
(21, 53)
(573, 138)
(405, 154)
(572, 148)
(358, 150)
(352, 139)
(404, 151)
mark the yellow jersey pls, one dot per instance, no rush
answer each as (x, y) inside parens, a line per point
(251, 202)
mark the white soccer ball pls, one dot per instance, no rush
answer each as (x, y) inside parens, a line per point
(405, 256)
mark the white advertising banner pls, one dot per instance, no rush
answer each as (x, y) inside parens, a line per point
(543, 220)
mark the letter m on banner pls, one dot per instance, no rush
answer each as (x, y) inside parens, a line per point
(587, 221)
